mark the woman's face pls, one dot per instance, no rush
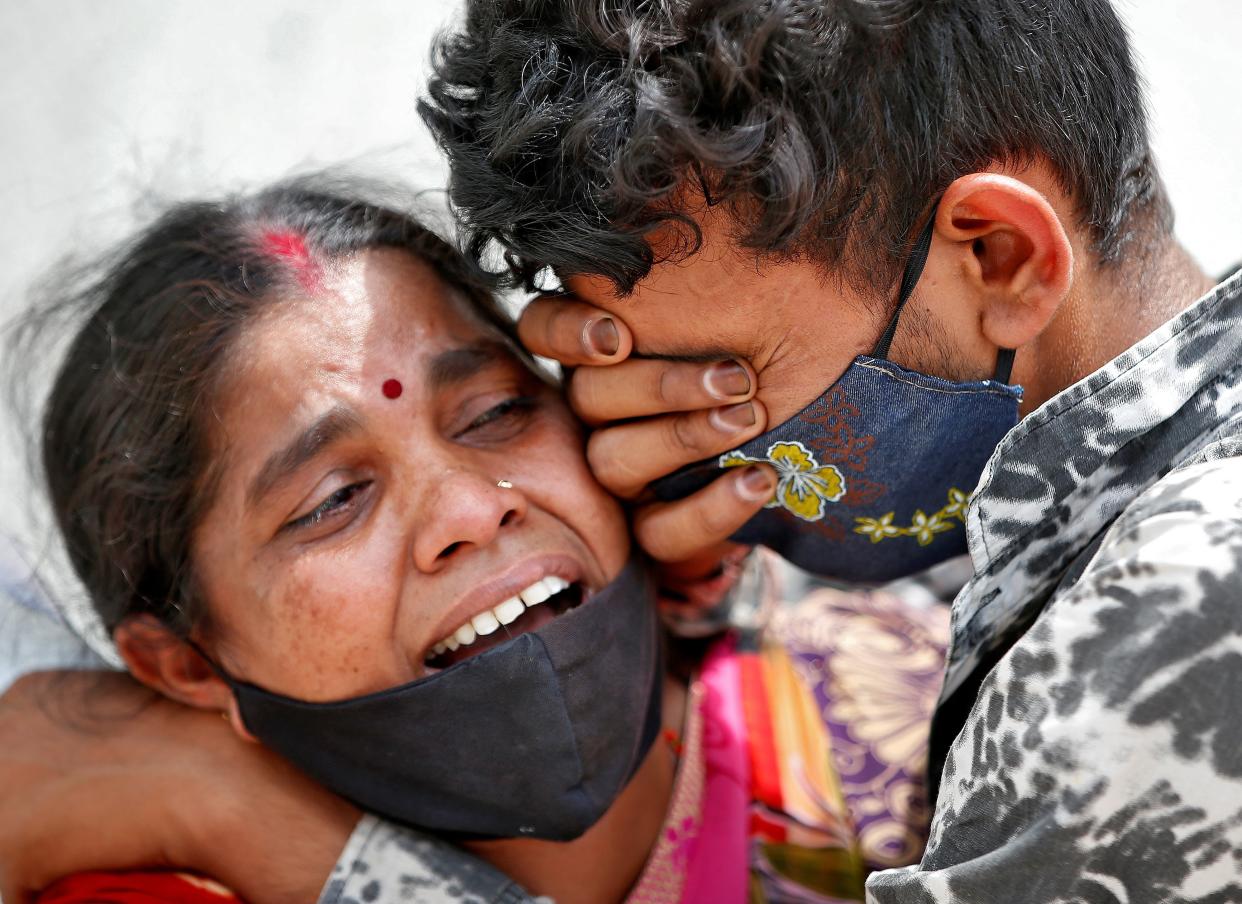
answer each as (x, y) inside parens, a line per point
(355, 528)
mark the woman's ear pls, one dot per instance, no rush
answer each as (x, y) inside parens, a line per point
(167, 664)
(1014, 253)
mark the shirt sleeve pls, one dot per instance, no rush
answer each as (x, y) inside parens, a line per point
(385, 862)
(33, 635)
(1102, 760)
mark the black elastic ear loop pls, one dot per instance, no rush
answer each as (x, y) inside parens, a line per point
(909, 279)
(220, 672)
(1004, 365)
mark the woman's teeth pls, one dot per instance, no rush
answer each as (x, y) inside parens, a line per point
(510, 610)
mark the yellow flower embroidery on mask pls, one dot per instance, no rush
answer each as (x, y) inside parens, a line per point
(957, 504)
(922, 527)
(878, 528)
(736, 459)
(925, 527)
(803, 486)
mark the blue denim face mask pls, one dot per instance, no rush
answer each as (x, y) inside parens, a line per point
(873, 476)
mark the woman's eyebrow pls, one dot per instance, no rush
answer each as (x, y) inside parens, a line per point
(336, 423)
(461, 363)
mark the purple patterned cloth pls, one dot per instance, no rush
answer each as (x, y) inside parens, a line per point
(874, 663)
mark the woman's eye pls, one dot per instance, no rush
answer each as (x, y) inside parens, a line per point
(507, 413)
(336, 502)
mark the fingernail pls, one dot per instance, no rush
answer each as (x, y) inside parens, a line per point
(726, 379)
(733, 418)
(755, 484)
(602, 337)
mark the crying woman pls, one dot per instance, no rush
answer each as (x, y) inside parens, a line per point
(312, 484)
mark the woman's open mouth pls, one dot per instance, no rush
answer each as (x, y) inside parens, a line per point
(529, 610)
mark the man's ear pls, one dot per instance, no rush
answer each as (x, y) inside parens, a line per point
(1013, 251)
(167, 664)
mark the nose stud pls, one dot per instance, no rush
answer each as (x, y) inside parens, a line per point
(504, 484)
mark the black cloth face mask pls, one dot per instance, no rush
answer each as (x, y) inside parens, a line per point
(533, 738)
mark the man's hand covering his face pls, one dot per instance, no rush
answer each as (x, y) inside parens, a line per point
(651, 417)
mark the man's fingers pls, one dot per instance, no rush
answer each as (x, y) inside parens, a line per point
(701, 582)
(627, 457)
(573, 332)
(672, 531)
(641, 387)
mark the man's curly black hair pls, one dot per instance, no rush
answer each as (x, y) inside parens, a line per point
(573, 127)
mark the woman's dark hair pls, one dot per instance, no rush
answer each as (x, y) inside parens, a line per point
(573, 127)
(124, 432)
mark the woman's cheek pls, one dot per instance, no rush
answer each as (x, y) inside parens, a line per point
(556, 469)
(324, 636)
(596, 516)
(560, 461)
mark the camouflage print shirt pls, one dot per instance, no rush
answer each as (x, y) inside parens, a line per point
(1091, 722)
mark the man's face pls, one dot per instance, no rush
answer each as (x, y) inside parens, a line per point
(799, 326)
(997, 276)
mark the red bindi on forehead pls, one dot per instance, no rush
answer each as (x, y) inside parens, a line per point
(392, 389)
(290, 248)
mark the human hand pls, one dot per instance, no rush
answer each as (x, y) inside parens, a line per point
(97, 772)
(702, 582)
(651, 416)
(695, 596)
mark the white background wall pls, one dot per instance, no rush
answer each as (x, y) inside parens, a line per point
(109, 102)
